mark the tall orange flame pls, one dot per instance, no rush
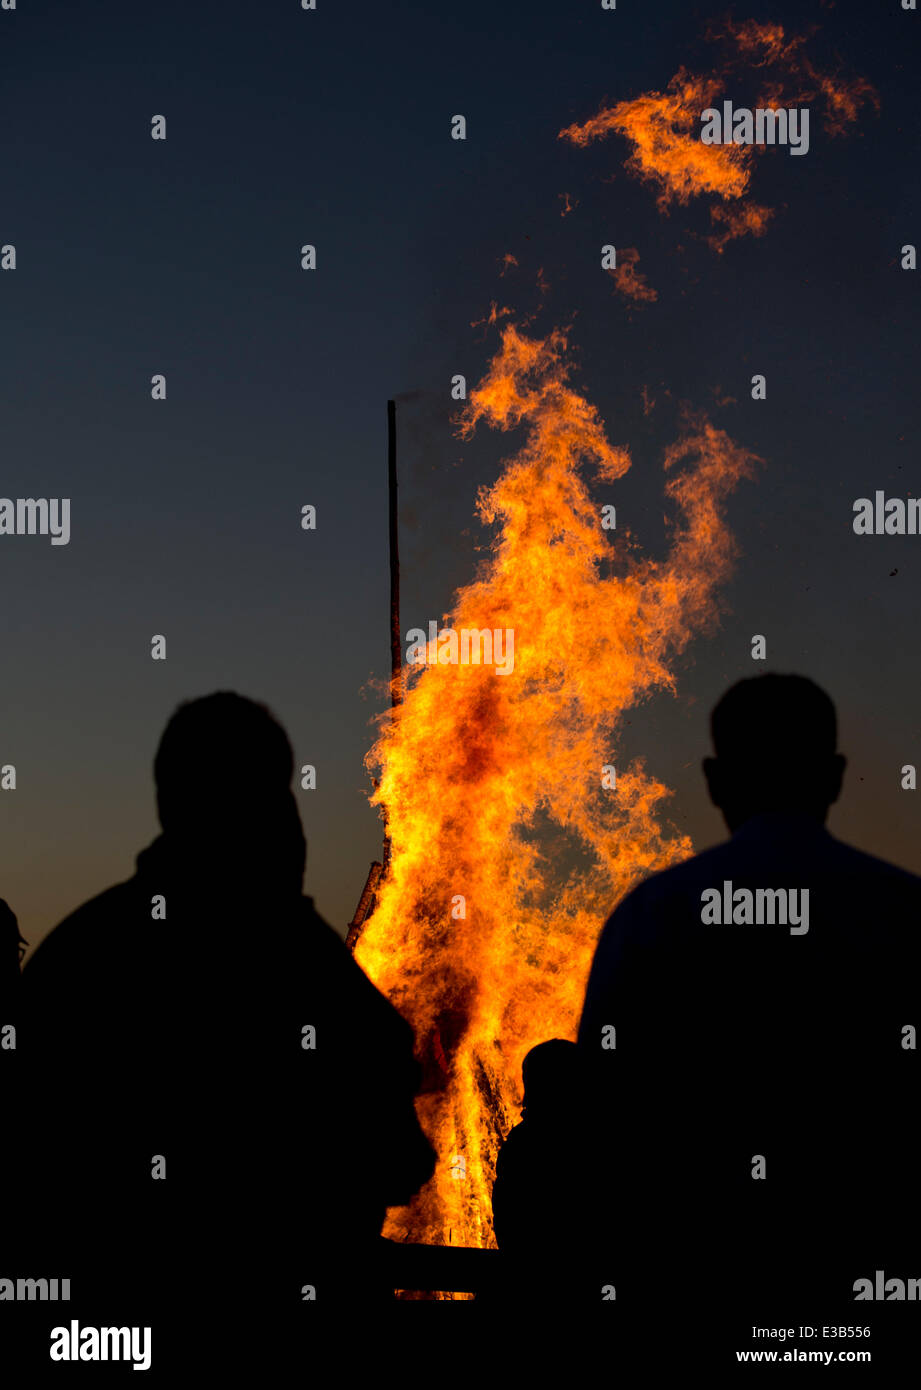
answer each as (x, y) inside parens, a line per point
(475, 767)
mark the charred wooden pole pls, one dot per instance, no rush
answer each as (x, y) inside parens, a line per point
(396, 643)
(365, 904)
(378, 870)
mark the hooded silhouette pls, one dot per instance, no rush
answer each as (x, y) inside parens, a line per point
(218, 1091)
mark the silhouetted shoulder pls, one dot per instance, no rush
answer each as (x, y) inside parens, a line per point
(761, 853)
(326, 957)
(861, 910)
(857, 862)
(81, 938)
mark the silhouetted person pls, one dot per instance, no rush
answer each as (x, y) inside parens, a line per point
(541, 1164)
(11, 948)
(729, 1049)
(202, 1020)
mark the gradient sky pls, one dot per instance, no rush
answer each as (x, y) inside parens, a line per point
(333, 127)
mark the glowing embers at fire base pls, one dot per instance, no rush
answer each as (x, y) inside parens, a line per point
(491, 785)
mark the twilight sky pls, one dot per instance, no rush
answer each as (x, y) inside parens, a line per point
(182, 256)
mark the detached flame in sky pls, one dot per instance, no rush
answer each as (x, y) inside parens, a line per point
(629, 280)
(492, 784)
(663, 128)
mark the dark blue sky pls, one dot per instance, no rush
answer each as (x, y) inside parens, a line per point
(332, 127)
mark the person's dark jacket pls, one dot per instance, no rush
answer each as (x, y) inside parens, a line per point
(183, 1037)
(734, 1041)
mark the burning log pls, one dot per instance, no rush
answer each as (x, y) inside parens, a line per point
(365, 904)
(368, 900)
(396, 641)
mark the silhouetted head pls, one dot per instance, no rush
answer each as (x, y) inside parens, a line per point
(775, 739)
(552, 1073)
(223, 773)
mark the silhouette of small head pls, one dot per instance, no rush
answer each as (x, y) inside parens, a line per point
(223, 774)
(12, 943)
(775, 739)
(551, 1073)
